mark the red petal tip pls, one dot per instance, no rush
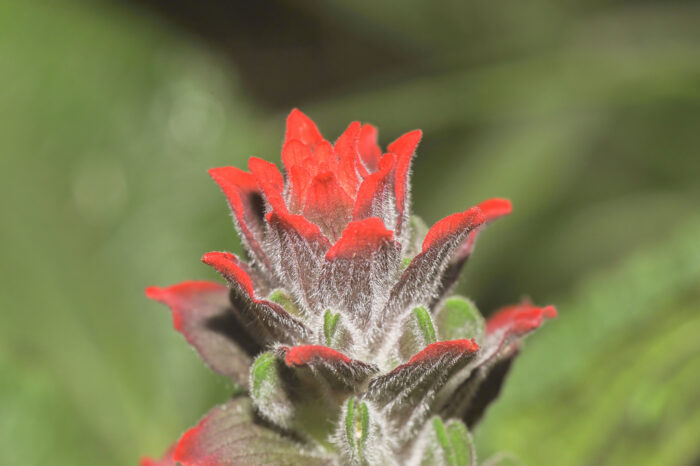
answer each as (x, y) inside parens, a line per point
(173, 293)
(177, 297)
(520, 318)
(229, 267)
(349, 138)
(267, 172)
(298, 223)
(301, 127)
(550, 312)
(154, 292)
(188, 446)
(495, 208)
(440, 348)
(406, 145)
(452, 224)
(368, 148)
(302, 355)
(233, 175)
(213, 172)
(373, 185)
(270, 180)
(361, 236)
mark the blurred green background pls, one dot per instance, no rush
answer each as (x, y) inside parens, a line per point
(586, 114)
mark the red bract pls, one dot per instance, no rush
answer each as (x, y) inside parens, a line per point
(338, 327)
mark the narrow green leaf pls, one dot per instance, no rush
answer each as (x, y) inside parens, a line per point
(364, 425)
(461, 442)
(263, 372)
(425, 323)
(350, 422)
(269, 393)
(444, 441)
(330, 325)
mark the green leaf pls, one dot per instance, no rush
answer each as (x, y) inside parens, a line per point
(460, 319)
(350, 423)
(263, 372)
(268, 390)
(462, 444)
(449, 445)
(425, 324)
(443, 440)
(294, 398)
(418, 332)
(361, 431)
(284, 299)
(364, 426)
(330, 325)
(357, 426)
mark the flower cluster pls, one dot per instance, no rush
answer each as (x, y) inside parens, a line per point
(339, 326)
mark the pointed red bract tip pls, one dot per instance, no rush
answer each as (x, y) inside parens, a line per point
(233, 176)
(436, 350)
(236, 185)
(361, 237)
(406, 145)
(347, 143)
(370, 153)
(302, 355)
(301, 127)
(173, 293)
(155, 293)
(495, 208)
(266, 172)
(550, 312)
(269, 180)
(177, 297)
(229, 267)
(453, 224)
(191, 447)
(346, 150)
(372, 186)
(298, 224)
(519, 318)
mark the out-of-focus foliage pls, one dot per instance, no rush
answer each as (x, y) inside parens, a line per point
(620, 383)
(584, 114)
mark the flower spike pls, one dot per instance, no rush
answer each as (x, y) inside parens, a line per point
(340, 328)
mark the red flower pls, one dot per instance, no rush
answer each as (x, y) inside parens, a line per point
(339, 327)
